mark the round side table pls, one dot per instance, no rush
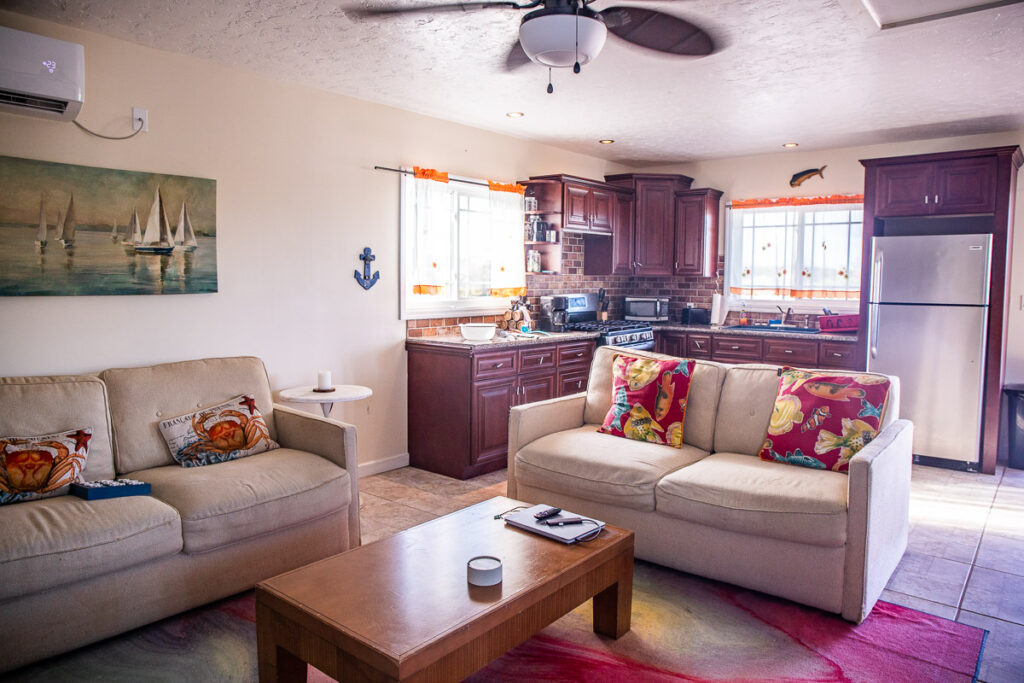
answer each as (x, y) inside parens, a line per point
(326, 399)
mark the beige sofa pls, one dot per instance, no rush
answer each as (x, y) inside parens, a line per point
(74, 571)
(712, 507)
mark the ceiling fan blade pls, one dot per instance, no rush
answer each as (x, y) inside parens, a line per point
(421, 8)
(658, 31)
(516, 57)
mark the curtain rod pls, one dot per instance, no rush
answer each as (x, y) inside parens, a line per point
(450, 177)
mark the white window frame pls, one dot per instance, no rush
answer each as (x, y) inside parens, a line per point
(444, 308)
(735, 302)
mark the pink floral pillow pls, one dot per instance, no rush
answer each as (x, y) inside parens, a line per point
(821, 421)
(649, 399)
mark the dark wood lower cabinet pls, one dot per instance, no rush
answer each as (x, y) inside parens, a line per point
(805, 353)
(460, 397)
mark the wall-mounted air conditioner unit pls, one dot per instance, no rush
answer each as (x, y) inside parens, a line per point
(40, 76)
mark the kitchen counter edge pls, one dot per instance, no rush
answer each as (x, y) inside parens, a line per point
(714, 329)
(456, 342)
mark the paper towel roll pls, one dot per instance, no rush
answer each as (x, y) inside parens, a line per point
(718, 311)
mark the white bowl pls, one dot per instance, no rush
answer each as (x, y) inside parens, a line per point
(478, 331)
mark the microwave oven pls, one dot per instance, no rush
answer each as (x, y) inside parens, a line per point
(648, 308)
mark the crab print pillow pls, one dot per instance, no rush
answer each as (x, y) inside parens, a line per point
(41, 466)
(233, 429)
(821, 421)
(649, 399)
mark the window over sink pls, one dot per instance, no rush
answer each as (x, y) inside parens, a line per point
(461, 247)
(804, 256)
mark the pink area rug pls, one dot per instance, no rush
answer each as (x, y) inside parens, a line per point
(684, 628)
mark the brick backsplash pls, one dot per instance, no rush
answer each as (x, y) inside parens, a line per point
(443, 327)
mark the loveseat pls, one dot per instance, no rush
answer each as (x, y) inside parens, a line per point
(712, 507)
(75, 571)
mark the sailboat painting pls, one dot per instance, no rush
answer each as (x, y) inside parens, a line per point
(70, 230)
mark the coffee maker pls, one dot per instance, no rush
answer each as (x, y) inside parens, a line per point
(557, 311)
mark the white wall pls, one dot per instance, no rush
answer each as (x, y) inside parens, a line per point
(297, 200)
(768, 176)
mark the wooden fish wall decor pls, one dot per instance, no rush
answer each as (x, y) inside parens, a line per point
(799, 178)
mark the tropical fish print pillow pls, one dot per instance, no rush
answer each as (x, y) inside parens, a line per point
(233, 429)
(41, 466)
(821, 421)
(649, 399)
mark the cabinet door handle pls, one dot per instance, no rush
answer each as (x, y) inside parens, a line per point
(579, 384)
(926, 199)
(788, 350)
(677, 265)
(579, 355)
(837, 355)
(936, 199)
(540, 361)
(697, 343)
(499, 365)
(735, 348)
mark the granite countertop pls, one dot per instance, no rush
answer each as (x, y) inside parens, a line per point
(499, 342)
(820, 336)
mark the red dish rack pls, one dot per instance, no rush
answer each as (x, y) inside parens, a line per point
(839, 323)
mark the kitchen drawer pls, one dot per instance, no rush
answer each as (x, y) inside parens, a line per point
(698, 346)
(575, 354)
(531, 359)
(736, 349)
(495, 364)
(800, 352)
(573, 381)
(837, 355)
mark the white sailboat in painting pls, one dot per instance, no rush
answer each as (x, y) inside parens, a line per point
(41, 233)
(157, 238)
(132, 234)
(113, 231)
(184, 237)
(59, 227)
(67, 235)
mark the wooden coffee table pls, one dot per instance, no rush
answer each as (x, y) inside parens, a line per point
(401, 609)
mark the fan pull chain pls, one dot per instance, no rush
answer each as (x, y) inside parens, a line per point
(576, 66)
(551, 88)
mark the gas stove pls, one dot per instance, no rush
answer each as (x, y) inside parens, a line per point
(626, 333)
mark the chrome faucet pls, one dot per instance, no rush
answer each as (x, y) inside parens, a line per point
(785, 314)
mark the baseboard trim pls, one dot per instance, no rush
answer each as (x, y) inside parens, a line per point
(383, 465)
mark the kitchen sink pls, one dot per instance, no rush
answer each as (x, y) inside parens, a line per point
(773, 328)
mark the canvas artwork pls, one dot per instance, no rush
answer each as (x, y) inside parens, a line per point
(79, 230)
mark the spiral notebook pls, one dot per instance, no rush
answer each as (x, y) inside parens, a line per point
(524, 519)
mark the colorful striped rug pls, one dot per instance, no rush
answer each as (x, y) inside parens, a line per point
(684, 628)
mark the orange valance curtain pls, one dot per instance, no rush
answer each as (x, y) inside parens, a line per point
(430, 174)
(495, 186)
(796, 201)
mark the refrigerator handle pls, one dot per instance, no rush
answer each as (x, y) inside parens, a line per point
(873, 326)
(873, 302)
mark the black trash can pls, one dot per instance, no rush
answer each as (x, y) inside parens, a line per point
(1015, 405)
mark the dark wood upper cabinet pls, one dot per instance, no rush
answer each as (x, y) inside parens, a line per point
(954, 186)
(586, 206)
(577, 207)
(623, 257)
(653, 218)
(601, 210)
(696, 232)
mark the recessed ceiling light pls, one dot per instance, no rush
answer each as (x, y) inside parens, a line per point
(790, 144)
(515, 114)
(606, 142)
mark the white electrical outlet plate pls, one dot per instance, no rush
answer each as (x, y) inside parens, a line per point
(138, 113)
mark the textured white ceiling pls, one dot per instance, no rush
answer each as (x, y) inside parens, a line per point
(819, 72)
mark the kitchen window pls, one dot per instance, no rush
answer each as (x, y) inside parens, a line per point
(462, 247)
(803, 255)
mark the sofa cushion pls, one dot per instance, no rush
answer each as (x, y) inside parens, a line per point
(586, 463)
(44, 405)
(650, 399)
(702, 403)
(141, 397)
(241, 499)
(55, 541)
(822, 420)
(229, 430)
(735, 492)
(33, 467)
(745, 407)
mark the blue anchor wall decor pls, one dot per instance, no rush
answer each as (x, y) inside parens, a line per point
(364, 279)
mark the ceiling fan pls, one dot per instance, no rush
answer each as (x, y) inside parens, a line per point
(564, 33)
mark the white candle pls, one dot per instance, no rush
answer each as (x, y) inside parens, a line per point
(323, 380)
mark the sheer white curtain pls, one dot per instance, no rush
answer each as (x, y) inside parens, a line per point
(508, 270)
(433, 214)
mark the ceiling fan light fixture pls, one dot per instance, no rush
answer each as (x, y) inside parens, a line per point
(551, 39)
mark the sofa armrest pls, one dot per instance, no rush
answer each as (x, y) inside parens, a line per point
(878, 517)
(330, 439)
(529, 422)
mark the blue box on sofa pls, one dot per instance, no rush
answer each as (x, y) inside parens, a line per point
(110, 488)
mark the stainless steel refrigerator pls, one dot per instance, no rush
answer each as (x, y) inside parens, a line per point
(927, 323)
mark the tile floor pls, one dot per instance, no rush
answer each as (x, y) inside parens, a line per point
(964, 560)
